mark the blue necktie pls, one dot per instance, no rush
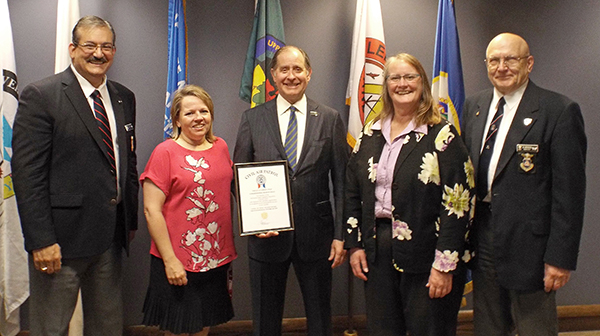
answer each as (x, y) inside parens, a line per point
(488, 150)
(104, 126)
(291, 139)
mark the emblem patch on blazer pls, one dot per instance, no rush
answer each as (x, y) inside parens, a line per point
(527, 153)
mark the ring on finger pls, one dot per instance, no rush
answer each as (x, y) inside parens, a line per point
(44, 268)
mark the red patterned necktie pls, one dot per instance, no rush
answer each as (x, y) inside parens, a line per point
(104, 126)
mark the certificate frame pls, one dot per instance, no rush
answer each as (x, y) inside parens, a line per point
(263, 197)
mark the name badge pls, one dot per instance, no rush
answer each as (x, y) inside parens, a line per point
(528, 148)
(528, 153)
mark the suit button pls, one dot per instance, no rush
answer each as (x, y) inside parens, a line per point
(294, 178)
(113, 201)
(394, 186)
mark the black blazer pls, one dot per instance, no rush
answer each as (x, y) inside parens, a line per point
(66, 190)
(418, 200)
(324, 154)
(537, 211)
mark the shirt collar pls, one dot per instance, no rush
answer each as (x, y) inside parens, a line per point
(86, 86)
(385, 127)
(283, 105)
(385, 124)
(512, 99)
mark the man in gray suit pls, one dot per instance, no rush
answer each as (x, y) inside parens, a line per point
(315, 246)
(528, 147)
(75, 177)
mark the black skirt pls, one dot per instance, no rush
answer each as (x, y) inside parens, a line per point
(205, 301)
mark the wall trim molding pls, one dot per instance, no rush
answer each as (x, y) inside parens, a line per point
(570, 318)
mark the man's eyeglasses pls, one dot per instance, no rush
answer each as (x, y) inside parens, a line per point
(90, 47)
(409, 78)
(509, 61)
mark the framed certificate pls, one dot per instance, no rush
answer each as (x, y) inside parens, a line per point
(263, 197)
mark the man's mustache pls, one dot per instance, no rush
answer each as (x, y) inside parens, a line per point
(96, 59)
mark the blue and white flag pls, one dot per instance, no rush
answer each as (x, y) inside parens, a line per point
(447, 87)
(14, 276)
(177, 68)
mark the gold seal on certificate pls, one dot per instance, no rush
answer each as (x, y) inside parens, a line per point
(263, 197)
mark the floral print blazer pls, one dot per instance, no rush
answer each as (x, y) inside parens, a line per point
(433, 199)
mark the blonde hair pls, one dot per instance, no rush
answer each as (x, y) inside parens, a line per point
(198, 92)
(427, 113)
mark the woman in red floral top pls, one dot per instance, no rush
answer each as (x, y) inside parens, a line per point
(187, 206)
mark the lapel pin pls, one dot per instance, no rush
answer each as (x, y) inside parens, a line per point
(527, 121)
(314, 113)
(477, 114)
(120, 101)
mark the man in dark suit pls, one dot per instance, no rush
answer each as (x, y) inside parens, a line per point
(528, 147)
(315, 246)
(75, 177)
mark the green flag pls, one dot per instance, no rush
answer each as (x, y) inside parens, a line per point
(267, 37)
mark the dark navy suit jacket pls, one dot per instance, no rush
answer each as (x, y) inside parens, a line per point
(323, 158)
(537, 211)
(66, 190)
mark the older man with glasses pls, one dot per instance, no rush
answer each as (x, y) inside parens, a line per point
(75, 177)
(528, 147)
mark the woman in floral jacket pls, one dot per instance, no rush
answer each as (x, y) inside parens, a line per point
(408, 206)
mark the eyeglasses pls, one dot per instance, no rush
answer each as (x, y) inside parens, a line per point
(509, 61)
(90, 47)
(409, 78)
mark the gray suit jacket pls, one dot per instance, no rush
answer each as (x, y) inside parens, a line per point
(537, 197)
(324, 155)
(66, 190)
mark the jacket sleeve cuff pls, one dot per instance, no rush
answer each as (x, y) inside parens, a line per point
(445, 261)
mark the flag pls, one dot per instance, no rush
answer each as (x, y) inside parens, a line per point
(266, 38)
(177, 62)
(14, 276)
(67, 14)
(447, 86)
(363, 94)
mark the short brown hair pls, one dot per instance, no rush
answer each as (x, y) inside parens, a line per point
(288, 47)
(88, 22)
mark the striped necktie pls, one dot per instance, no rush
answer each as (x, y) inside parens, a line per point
(488, 150)
(291, 139)
(104, 126)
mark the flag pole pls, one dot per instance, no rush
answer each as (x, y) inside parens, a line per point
(363, 94)
(350, 331)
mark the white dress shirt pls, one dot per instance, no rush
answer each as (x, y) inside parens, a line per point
(510, 109)
(283, 114)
